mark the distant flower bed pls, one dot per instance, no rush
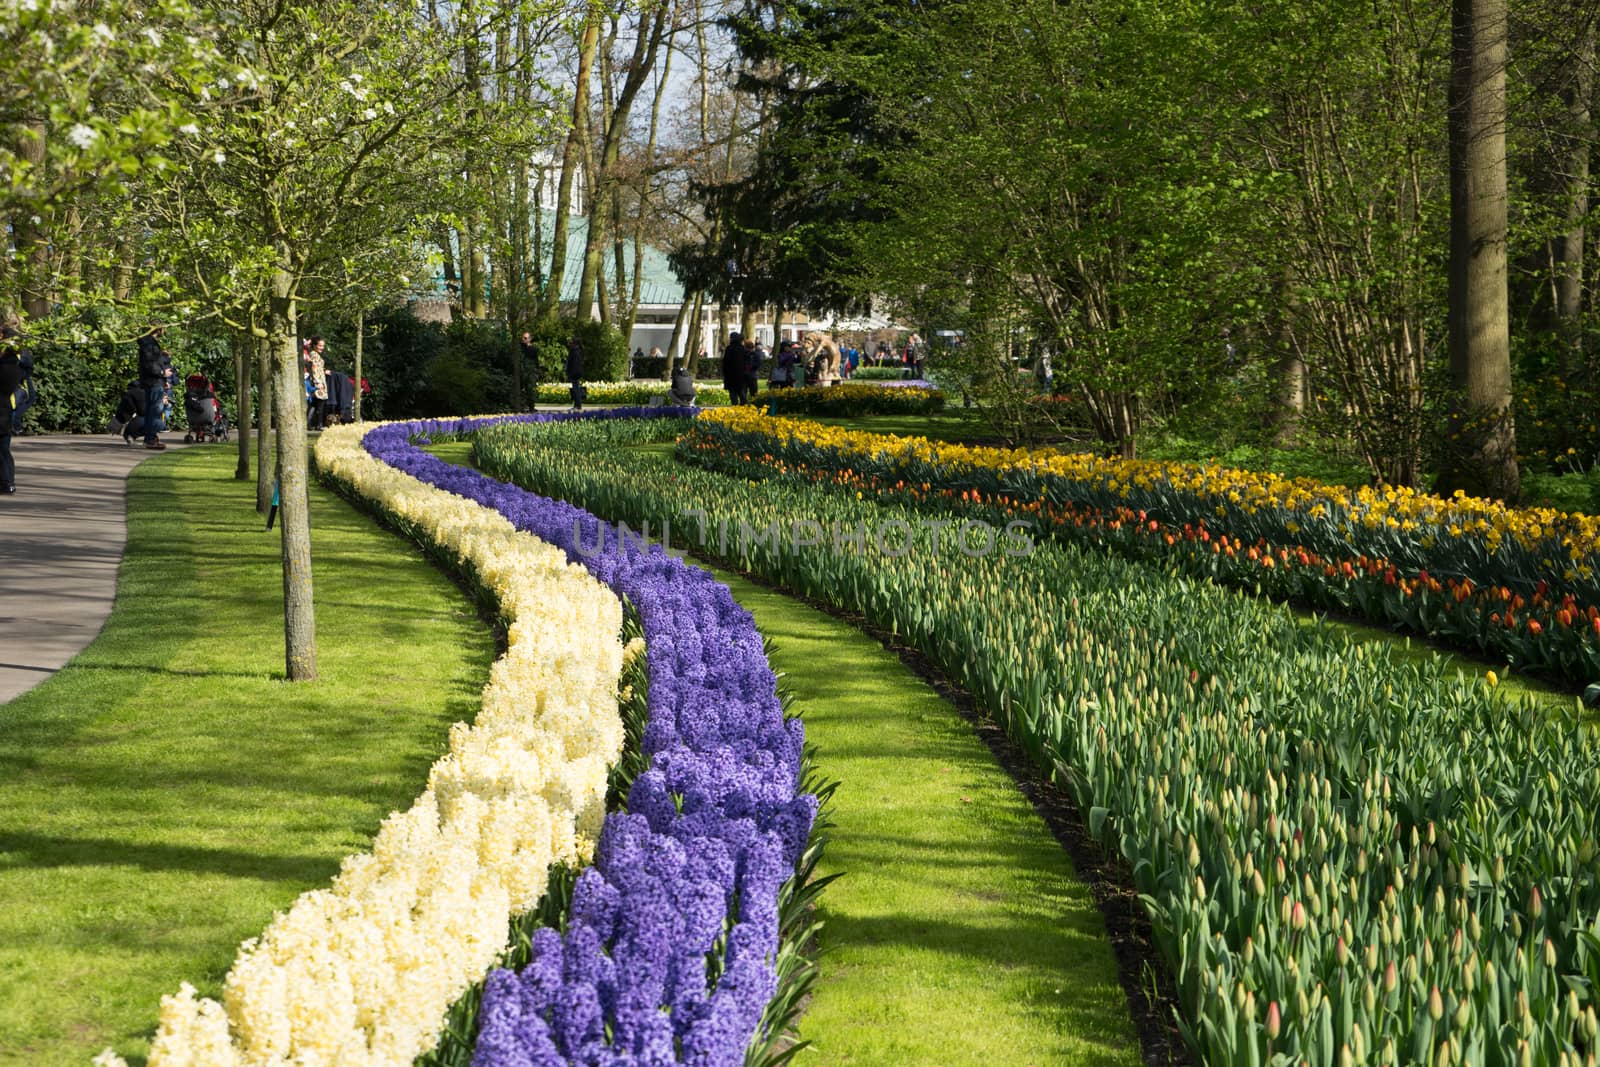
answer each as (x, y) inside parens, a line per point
(1511, 582)
(849, 399)
(635, 393)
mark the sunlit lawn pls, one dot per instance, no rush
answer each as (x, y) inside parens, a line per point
(166, 793)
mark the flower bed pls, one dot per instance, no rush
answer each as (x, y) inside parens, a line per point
(672, 950)
(1547, 627)
(363, 972)
(1346, 856)
(849, 399)
(636, 393)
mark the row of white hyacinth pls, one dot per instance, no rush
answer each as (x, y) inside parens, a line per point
(363, 972)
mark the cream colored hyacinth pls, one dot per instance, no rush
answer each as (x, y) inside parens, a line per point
(362, 972)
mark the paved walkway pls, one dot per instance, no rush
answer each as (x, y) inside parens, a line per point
(61, 540)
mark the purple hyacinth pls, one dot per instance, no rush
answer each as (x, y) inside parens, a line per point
(713, 827)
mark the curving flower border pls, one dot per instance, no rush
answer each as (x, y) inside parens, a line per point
(364, 971)
(670, 951)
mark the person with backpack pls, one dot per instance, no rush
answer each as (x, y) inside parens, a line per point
(154, 364)
(11, 360)
(575, 372)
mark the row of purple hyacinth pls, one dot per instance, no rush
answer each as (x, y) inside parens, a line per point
(673, 932)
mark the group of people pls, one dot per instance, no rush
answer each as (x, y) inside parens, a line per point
(573, 367)
(330, 394)
(741, 367)
(816, 361)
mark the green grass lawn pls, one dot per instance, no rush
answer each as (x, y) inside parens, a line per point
(166, 793)
(959, 933)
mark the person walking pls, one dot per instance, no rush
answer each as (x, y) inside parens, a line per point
(733, 369)
(10, 383)
(317, 374)
(154, 363)
(530, 368)
(752, 369)
(575, 372)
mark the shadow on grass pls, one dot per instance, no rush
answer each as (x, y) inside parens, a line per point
(41, 850)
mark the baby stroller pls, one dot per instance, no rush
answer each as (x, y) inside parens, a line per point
(206, 420)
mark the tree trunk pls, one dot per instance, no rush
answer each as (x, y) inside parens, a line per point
(294, 498)
(242, 344)
(266, 468)
(677, 337)
(587, 42)
(361, 331)
(1572, 173)
(692, 347)
(448, 261)
(1289, 400)
(603, 172)
(1483, 458)
(28, 230)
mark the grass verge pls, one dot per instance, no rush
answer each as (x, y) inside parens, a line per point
(166, 793)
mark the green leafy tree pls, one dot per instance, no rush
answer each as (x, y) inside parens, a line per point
(320, 158)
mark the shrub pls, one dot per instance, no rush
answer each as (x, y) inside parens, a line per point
(605, 350)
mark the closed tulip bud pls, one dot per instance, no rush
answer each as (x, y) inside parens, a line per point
(1573, 1010)
(1249, 950)
(1274, 1021)
(1499, 869)
(1346, 1057)
(1435, 1004)
(1372, 957)
(1535, 903)
(1463, 1013)
(1284, 909)
(1194, 852)
(1302, 1005)
(1391, 978)
(1524, 1055)
(1549, 953)
(1257, 886)
(1297, 917)
(1341, 952)
(1442, 1059)
(1474, 927)
(1200, 888)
